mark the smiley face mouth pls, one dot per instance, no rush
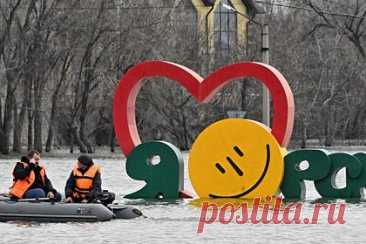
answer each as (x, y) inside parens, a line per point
(259, 181)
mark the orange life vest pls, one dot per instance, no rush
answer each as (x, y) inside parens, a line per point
(84, 182)
(20, 187)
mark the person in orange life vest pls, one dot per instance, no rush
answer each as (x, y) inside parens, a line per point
(84, 183)
(30, 179)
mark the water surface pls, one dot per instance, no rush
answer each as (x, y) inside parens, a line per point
(170, 222)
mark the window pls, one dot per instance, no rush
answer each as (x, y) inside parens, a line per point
(225, 27)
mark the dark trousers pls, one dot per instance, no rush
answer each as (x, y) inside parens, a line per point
(40, 193)
(102, 197)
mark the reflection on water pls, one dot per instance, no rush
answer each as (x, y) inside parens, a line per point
(174, 221)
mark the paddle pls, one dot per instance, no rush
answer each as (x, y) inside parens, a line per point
(36, 200)
(6, 197)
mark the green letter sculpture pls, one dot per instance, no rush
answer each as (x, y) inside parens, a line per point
(360, 182)
(164, 179)
(327, 187)
(293, 185)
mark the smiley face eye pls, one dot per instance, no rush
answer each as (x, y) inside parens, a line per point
(238, 151)
(220, 168)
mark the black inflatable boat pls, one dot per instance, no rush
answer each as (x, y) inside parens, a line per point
(41, 211)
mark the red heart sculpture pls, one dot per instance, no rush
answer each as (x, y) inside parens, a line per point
(202, 90)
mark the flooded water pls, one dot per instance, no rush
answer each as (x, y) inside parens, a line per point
(171, 222)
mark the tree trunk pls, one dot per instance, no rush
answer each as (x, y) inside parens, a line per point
(185, 131)
(304, 134)
(81, 135)
(111, 139)
(71, 141)
(76, 137)
(84, 103)
(52, 122)
(55, 96)
(50, 136)
(1, 124)
(16, 138)
(243, 94)
(30, 115)
(329, 127)
(38, 122)
(19, 123)
(7, 119)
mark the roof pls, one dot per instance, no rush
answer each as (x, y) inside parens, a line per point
(249, 4)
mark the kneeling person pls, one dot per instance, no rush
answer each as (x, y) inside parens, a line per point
(84, 184)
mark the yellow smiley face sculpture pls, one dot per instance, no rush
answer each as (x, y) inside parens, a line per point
(236, 158)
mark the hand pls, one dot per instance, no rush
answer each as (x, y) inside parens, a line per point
(68, 200)
(84, 201)
(50, 195)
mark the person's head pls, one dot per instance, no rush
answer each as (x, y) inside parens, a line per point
(84, 161)
(35, 155)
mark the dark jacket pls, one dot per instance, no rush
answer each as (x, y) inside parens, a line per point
(97, 186)
(20, 172)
